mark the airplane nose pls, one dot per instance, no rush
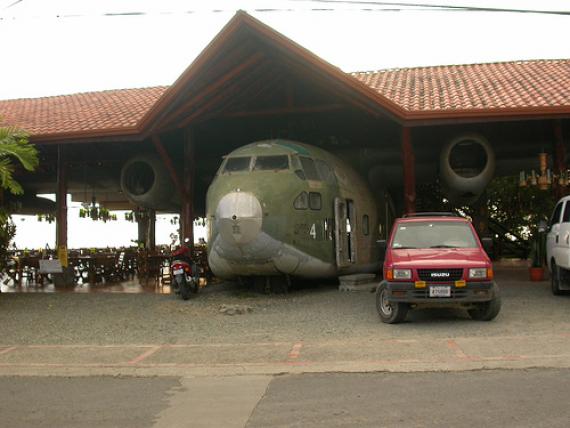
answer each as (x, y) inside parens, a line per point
(239, 217)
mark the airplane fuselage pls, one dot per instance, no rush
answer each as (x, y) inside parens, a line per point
(279, 207)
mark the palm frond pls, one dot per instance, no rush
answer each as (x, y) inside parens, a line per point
(21, 150)
(14, 145)
(7, 179)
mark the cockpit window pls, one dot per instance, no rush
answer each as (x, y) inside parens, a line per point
(271, 163)
(326, 172)
(309, 168)
(237, 164)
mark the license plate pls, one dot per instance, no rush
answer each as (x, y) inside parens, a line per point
(178, 271)
(440, 291)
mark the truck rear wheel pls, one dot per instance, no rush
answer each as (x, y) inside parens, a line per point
(555, 279)
(486, 311)
(389, 312)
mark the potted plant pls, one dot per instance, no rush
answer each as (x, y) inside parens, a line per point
(536, 269)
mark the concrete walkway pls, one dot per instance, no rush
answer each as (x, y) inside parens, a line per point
(395, 355)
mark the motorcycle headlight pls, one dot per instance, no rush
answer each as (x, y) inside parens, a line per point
(402, 274)
(477, 273)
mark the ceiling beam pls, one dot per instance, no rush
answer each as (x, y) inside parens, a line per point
(287, 110)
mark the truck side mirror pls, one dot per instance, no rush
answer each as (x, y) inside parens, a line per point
(542, 226)
(487, 243)
(381, 248)
(381, 244)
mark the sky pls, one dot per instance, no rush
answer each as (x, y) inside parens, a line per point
(66, 46)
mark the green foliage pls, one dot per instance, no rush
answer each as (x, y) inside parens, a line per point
(7, 233)
(97, 213)
(14, 146)
(517, 209)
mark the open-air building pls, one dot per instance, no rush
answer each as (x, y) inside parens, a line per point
(252, 83)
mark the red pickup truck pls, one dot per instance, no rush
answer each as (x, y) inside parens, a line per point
(436, 259)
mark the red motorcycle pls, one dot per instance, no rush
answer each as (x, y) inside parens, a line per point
(184, 271)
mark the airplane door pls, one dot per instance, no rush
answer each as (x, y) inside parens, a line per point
(345, 246)
(341, 237)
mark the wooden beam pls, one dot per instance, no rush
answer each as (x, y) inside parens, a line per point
(213, 87)
(151, 230)
(559, 161)
(187, 208)
(409, 161)
(61, 199)
(290, 94)
(287, 110)
(256, 88)
(229, 95)
(169, 165)
(559, 148)
(329, 86)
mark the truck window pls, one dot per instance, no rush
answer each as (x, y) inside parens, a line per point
(566, 215)
(555, 219)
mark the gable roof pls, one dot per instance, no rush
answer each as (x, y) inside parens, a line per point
(413, 95)
(538, 87)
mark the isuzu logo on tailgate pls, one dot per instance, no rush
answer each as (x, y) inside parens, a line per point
(439, 274)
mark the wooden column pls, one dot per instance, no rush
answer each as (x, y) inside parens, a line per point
(61, 200)
(142, 228)
(409, 164)
(151, 230)
(187, 209)
(559, 161)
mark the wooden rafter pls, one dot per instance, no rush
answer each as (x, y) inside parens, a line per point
(323, 108)
(255, 59)
(231, 92)
(169, 165)
(306, 73)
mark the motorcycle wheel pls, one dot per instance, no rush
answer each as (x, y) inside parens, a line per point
(185, 289)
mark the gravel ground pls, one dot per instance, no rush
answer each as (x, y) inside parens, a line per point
(310, 313)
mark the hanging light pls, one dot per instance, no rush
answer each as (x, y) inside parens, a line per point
(545, 178)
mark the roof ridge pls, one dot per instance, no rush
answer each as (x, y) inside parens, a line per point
(423, 67)
(74, 94)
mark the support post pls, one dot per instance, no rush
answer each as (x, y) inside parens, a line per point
(559, 163)
(409, 166)
(142, 227)
(66, 277)
(61, 202)
(187, 209)
(151, 230)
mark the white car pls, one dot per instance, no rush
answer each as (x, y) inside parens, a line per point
(558, 247)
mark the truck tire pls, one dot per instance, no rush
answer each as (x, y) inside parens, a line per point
(555, 279)
(486, 311)
(390, 313)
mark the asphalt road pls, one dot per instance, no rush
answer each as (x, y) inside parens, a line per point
(518, 398)
(499, 398)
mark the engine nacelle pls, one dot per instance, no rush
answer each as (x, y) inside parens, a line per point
(146, 183)
(466, 165)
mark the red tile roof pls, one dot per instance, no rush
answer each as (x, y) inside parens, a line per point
(103, 111)
(539, 86)
(494, 86)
